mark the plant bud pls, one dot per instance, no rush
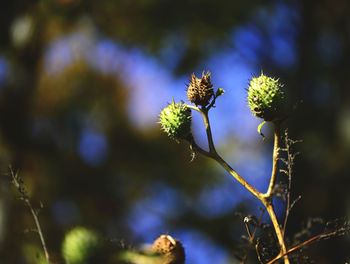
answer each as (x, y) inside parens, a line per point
(200, 91)
(81, 246)
(175, 120)
(266, 98)
(170, 249)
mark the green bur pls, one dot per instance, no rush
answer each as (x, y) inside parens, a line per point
(266, 98)
(175, 120)
(81, 246)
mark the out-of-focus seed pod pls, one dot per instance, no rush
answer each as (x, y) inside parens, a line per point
(170, 249)
(81, 246)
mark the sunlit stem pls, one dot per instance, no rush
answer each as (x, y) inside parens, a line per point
(278, 231)
(269, 194)
(214, 155)
(212, 149)
(204, 113)
(246, 185)
(275, 160)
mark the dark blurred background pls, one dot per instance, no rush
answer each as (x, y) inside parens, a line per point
(81, 87)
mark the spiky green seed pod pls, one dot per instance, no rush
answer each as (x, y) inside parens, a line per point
(266, 98)
(81, 246)
(170, 249)
(200, 91)
(175, 120)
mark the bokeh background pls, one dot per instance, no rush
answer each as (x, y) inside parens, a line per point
(82, 84)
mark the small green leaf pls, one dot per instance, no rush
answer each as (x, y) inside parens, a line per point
(219, 92)
(259, 129)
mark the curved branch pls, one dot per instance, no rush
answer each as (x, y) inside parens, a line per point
(214, 155)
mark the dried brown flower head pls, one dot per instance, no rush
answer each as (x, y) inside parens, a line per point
(200, 91)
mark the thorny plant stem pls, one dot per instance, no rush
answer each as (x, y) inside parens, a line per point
(34, 214)
(289, 174)
(289, 162)
(251, 236)
(266, 198)
(39, 231)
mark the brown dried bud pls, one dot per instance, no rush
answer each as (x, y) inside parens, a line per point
(200, 91)
(171, 249)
